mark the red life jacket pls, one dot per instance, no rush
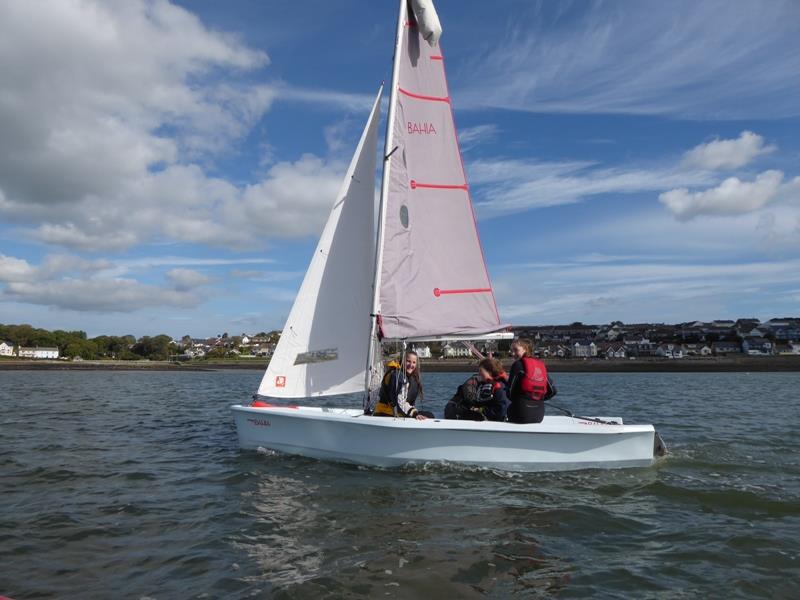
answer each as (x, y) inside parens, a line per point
(534, 378)
(499, 382)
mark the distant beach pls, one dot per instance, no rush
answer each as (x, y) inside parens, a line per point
(742, 364)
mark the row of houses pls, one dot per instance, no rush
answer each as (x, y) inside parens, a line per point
(8, 349)
(646, 348)
(243, 345)
(781, 330)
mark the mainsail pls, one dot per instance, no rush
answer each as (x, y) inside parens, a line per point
(326, 337)
(431, 274)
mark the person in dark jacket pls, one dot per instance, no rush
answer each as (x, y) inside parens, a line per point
(492, 399)
(482, 396)
(463, 402)
(400, 391)
(525, 408)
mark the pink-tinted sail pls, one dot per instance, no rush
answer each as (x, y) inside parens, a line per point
(433, 279)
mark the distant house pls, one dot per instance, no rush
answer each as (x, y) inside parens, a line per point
(552, 351)
(455, 351)
(754, 332)
(669, 351)
(787, 333)
(422, 351)
(723, 348)
(615, 351)
(756, 346)
(584, 349)
(37, 352)
(6, 349)
(640, 346)
(696, 350)
(263, 349)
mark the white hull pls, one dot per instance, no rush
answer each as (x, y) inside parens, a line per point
(347, 435)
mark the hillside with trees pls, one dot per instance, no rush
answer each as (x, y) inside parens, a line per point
(75, 343)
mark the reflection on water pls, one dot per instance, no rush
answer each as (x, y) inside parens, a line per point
(135, 488)
(409, 533)
(283, 511)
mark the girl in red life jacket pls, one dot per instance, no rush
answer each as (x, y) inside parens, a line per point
(492, 400)
(528, 385)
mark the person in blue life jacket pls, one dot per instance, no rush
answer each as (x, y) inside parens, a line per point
(482, 397)
(529, 385)
(400, 390)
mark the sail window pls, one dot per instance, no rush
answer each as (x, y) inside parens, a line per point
(316, 356)
(404, 215)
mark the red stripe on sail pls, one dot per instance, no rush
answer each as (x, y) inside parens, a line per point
(437, 186)
(437, 57)
(421, 97)
(439, 292)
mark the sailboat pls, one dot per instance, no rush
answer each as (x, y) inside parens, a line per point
(413, 272)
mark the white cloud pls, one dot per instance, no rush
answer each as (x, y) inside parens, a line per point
(731, 197)
(182, 203)
(292, 201)
(507, 186)
(638, 290)
(99, 295)
(73, 283)
(15, 269)
(728, 154)
(88, 85)
(267, 276)
(469, 137)
(328, 99)
(108, 111)
(681, 58)
(187, 279)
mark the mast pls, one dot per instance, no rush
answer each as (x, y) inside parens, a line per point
(387, 151)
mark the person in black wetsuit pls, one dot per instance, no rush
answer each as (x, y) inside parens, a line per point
(526, 407)
(482, 396)
(400, 391)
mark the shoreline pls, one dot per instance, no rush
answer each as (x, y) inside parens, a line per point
(740, 364)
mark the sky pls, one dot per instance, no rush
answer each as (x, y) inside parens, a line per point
(166, 167)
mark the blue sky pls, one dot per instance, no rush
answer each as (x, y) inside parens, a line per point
(165, 167)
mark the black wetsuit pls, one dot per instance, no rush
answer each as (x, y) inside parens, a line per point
(477, 401)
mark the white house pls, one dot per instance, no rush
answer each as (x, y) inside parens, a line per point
(756, 346)
(38, 352)
(6, 349)
(422, 351)
(584, 349)
(669, 351)
(455, 351)
(615, 351)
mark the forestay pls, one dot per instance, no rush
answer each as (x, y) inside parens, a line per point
(326, 337)
(433, 278)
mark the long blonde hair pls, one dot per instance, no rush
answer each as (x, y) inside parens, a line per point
(415, 374)
(524, 344)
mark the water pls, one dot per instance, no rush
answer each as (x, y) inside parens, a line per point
(131, 485)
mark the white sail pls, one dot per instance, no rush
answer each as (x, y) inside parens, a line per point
(326, 337)
(432, 278)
